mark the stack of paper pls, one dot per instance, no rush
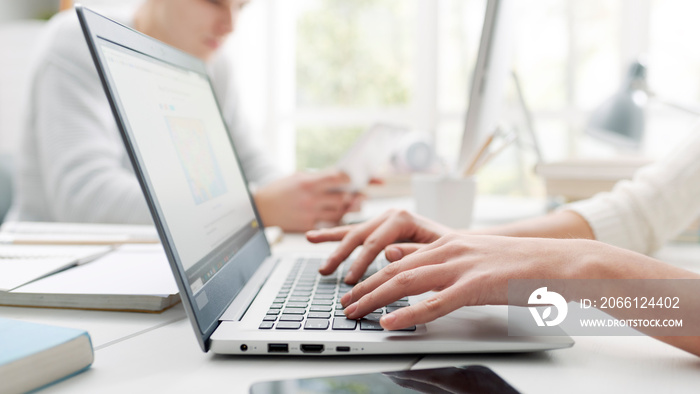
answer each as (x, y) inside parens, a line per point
(21, 264)
(41, 233)
(132, 278)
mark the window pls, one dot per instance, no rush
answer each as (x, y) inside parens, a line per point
(319, 72)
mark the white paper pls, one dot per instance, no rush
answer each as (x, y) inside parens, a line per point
(128, 271)
(76, 233)
(22, 264)
(371, 151)
(16, 272)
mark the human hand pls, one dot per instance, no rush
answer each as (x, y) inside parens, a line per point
(463, 270)
(375, 235)
(299, 202)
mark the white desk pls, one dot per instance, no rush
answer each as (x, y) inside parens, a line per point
(168, 359)
(138, 352)
(158, 353)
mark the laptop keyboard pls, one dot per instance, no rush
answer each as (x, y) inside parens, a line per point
(310, 301)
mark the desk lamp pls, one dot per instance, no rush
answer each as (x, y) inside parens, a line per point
(621, 119)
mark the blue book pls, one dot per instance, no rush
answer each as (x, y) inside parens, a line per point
(35, 355)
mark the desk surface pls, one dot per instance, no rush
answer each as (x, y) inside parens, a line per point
(137, 352)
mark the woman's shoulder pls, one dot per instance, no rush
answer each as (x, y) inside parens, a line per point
(61, 44)
(63, 40)
(63, 33)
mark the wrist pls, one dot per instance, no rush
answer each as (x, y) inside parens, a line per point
(261, 202)
(594, 260)
(587, 260)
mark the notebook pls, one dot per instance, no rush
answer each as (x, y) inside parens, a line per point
(53, 233)
(22, 264)
(240, 299)
(134, 278)
(35, 355)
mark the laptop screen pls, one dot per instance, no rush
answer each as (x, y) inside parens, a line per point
(186, 155)
(186, 165)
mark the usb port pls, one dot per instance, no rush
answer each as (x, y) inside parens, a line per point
(342, 348)
(277, 348)
(312, 348)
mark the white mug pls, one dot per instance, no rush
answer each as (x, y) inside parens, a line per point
(445, 199)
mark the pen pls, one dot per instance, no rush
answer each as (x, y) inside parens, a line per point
(509, 140)
(471, 167)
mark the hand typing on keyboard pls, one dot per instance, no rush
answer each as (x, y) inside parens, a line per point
(374, 236)
(467, 269)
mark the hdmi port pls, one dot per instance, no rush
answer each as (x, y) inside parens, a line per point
(312, 348)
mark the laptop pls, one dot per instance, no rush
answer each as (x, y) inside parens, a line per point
(239, 298)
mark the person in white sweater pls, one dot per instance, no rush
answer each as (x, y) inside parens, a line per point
(606, 237)
(73, 166)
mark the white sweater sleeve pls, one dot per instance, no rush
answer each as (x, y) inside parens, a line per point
(661, 201)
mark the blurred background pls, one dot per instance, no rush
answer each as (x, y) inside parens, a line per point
(315, 74)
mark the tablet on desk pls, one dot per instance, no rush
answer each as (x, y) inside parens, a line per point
(369, 153)
(468, 379)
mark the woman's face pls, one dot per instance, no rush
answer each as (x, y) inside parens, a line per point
(198, 27)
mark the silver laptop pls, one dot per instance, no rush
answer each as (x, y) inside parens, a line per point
(239, 298)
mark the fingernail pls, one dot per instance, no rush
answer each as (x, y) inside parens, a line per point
(326, 264)
(393, 254)
(350, 310)
(349, 278)
(312, 233)
(386, 319)
(344, 300)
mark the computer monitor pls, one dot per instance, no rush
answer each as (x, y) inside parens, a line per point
(491, 73)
